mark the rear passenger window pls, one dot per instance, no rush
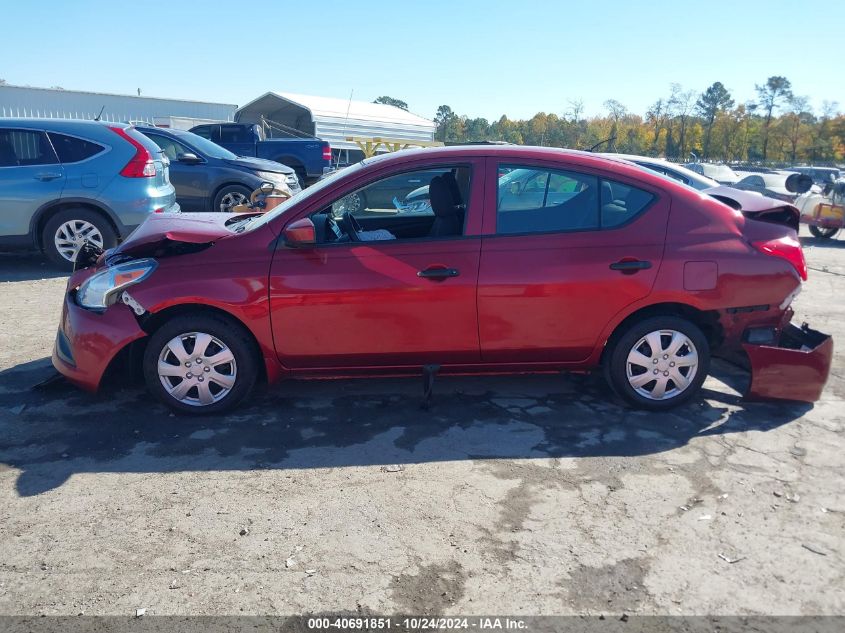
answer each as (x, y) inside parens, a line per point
(230, 134)
(21, 148)
(71, 149)
(534, 200)
(620, 203)
(539, 200)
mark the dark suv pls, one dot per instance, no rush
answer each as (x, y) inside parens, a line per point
(64, 182)
(208, 177)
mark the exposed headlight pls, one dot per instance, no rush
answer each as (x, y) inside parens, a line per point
(100, 290)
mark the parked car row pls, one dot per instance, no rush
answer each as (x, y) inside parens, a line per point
(65, 182)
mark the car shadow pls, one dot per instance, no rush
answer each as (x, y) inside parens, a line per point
(55, 431)
(818, 242)
(26, 266)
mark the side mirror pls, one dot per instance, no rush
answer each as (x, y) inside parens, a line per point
(798, 183)
(267, 187)
(189, 158)
(301, 233)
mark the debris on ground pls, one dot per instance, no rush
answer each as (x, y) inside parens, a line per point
(290, 562)
(813, 549)
(140, 612)
(731, 560)
(244, 531)
(392, 468)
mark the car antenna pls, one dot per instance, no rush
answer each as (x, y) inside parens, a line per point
(97, 118)
(607, 140)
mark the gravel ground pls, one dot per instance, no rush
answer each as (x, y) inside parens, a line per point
(522, 495)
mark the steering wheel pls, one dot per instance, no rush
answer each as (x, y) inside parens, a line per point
(351, 226)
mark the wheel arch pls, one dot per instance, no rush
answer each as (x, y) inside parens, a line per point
(706, 320)
(155, 320)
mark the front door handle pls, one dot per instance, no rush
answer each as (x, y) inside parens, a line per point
(630, 265)
(438, 273)
(47, 175)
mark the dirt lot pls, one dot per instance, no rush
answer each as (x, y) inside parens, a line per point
(529, 495)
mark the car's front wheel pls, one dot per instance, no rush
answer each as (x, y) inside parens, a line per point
(200, 364)
(229, 197)
(658, 363)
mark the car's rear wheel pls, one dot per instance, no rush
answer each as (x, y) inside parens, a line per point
(65, 232)
(658, 363)
(229, 197)
(823, 233)
(200, 364)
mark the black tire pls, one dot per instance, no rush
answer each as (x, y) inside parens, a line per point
(302, 177)
(616, 361)
(229, 332)
(231, 191)
(823, 233)
(76, 215)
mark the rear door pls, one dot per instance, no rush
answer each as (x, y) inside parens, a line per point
(30, 177)
(565, 251)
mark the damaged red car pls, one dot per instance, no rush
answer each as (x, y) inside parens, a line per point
(521, 260)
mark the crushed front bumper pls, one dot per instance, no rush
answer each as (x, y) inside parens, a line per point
(88, 341)
(794, 365)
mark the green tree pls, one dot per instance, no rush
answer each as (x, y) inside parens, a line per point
(713, 101)
(392, 102)
(770, 95)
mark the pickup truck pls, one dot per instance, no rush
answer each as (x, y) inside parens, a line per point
(308, 157)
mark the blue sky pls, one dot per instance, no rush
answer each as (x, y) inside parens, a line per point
(481, 58)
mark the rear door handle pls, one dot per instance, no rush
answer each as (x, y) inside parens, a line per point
(631, 265)
(47, 175)
(438, 274)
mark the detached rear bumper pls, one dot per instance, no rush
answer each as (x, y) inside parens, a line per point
(88, 341)
(793, 367)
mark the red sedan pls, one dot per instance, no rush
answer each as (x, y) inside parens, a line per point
(527, 259)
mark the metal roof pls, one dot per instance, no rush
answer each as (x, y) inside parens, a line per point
(334, 120)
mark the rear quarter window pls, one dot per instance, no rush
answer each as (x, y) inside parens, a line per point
(621, 203)
(73, 150)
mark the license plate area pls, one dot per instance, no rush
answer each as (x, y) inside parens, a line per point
(794, 367)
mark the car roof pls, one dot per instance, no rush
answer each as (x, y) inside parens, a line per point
(59, 125)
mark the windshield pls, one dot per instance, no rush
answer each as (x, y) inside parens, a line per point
(205, 146)
(719, 172)
(312, 191)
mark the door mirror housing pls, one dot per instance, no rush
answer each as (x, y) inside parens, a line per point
(301, 233)
(267, 187)
(189, 158)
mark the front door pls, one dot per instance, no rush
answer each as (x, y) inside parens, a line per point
(190, 179)
(569, 251)
(404, 295)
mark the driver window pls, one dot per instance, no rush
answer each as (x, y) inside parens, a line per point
(424, 203)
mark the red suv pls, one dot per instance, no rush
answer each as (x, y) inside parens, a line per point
(523, 259)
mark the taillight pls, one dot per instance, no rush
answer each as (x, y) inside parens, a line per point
(327, 152)
(789, 248)
(141, 165)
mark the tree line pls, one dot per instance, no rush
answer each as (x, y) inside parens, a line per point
(778, 126)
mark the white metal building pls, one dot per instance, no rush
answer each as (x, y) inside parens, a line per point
(24, 101)
(334, 120)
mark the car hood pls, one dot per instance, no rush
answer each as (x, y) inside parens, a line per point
(162, 230)
(259, 164)
(756, 206)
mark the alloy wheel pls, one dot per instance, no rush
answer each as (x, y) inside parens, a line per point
(197, 369)
(232, 199)
(662, 364)
(71, 235)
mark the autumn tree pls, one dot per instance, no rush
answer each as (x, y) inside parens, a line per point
(392, 102)
(713, 101)
(770, 95)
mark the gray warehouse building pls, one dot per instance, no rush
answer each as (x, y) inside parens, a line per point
(24, 101)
